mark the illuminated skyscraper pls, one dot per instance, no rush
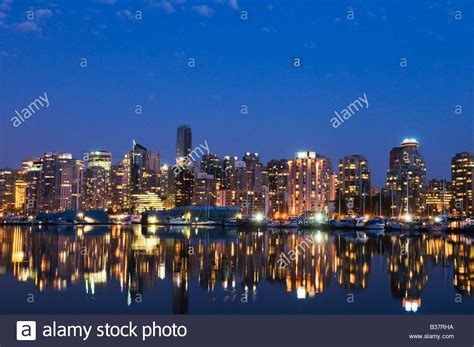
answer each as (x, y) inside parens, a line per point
(97, 192)
(7, 191)
(406, 179)
(144, 171)
(33, 168)
(277, 186)
(184, 187)
(439, 197)
(205, 190)
(354, 182)
(309, 183)
(120, 185)
(462, 174)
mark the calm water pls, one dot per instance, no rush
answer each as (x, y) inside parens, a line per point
(183, 270)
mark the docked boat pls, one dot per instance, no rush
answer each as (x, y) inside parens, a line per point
(291, 223)
(375, 224)
(178, 221)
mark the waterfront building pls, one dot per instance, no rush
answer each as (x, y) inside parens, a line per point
(184, 187)
(205, 190)
(120, 185)
(146, 201)
(462, 175)
(406, 179)
(309, 183)
(252, 185)
(7, 192)
(277, 187)
(33, 168)
(439, 197)
(354, 183)
(145, 171)
(20, 194)
(97, 190)
(61, 183)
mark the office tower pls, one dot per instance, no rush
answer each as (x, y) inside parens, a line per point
(20, 192)
(354, 181)
(184, 142)
(252, 188)
(145, 171)
(277, 187)
(309, 183)
(33, 168)
(120, 185)
(184, 187)
(205, 190)
(7, 192)
(212, 165)
(167, 187)
(406, 179)
(228, 173)
(439, 197)
(60, 184)
(462, 175)
(97, 190)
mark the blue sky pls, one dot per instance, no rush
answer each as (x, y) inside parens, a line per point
(346, 49)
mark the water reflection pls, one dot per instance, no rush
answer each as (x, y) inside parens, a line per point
(232, 262)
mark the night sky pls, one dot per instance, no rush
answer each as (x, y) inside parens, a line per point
(345, 50)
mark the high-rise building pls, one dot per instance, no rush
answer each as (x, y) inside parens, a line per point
(309, 183)
(20, 192)
(439, 197)
(145, 171)
(252, 187)
(120, 185)
(205, 190)
(184, 142)
(61, 183)
(212, 165)
(232, 188)
(97, 190)
(462, 175)
(277, 187)
(33, 168)
(354, 183)
(406, 179)
(7, 192)
(184, 187)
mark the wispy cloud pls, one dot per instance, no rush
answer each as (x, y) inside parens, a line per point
(203, 10)
(166, 6)
(26, 27)
(43, 13)
(3, 15)
(125, 14)
(234, 4)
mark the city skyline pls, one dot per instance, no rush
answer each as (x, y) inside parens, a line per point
(308, 182)
(117, 158)
(272, 84)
